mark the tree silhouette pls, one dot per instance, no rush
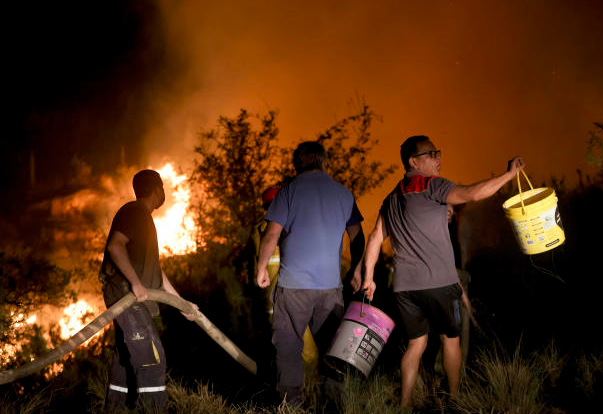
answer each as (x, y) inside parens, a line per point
(240, 158)
(349, 143)
(234, 164)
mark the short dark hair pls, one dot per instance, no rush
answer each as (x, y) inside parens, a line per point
(409, 148)
(309, 155)
(145, 181)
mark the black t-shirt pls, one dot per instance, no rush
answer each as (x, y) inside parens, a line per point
(136, 223)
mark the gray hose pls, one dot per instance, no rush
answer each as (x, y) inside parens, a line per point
(107, 316)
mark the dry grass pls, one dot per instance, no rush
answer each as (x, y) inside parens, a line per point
(590, 368)
(199, 400)
(375, 395)
(25, 404)
(502, 383)
(552, 363)
(498, 383)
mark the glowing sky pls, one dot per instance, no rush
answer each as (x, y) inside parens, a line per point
(485, 79)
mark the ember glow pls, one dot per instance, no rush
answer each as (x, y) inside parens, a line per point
(175, 224)
(8, 351)
(73, 319)
(21, 320)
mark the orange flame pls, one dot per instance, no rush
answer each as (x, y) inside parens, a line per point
(77, 315)
(175, 225)
(176, 234)
(8, 351)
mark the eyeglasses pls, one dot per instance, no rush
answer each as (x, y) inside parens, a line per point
(432, 153)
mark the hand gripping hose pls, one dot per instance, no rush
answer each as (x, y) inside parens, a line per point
(107, 316)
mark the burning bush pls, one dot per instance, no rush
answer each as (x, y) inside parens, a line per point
(26, 282)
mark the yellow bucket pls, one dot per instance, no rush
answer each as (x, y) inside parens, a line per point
(535, 219)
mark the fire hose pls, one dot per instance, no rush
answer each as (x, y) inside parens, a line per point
(107, 316)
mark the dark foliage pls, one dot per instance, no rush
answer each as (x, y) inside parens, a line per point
(25, 282)
(235, 164)
(349, 143)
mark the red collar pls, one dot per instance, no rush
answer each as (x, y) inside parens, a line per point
(414, 183)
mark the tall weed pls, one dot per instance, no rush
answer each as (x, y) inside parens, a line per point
(590, 368)
(24, 404)
(503, 383)
(200, 400)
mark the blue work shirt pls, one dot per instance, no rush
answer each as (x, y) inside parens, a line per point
(315, 211)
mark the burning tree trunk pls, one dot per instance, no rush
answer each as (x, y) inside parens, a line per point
(106, 317)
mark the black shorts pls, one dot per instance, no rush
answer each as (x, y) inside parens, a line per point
(431, 310)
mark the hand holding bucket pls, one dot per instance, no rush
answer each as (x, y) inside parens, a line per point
(534, 217)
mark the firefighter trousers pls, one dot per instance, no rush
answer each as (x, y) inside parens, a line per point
(138, 368)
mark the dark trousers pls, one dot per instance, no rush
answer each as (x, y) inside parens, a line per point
(294, 309)
(138, 368)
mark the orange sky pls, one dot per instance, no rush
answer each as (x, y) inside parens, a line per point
(485, 80)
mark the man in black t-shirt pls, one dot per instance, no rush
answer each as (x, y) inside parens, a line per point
(131, 263)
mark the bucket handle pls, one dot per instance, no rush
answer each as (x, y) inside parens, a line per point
(362, 314)
(519, 186)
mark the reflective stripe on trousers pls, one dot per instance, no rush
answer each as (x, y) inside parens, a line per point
(138, 361)
(144, 389)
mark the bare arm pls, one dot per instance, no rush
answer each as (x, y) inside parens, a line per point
(119, 254)
(465, 193)
(465, 299)
(356, 236)
(371, 256)
(267, 247)
(168, 287)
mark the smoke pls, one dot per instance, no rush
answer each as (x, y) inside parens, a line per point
(487, 81)
(139, 80)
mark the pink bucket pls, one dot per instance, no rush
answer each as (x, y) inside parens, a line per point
(361, 336)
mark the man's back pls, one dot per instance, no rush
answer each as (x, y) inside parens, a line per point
(314, 211)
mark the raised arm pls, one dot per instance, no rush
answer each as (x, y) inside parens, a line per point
(371, 256)
(465, 193)
(267, 247)
(119, 254)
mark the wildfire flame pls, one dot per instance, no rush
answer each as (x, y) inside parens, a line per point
(77, 315)
(175, 225)
(8, 351)
(21, 320)
(176, 234)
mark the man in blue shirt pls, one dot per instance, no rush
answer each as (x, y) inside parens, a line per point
(309, 216)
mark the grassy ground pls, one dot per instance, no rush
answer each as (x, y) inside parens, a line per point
(495, 382)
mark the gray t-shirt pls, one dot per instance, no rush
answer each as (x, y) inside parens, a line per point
(314, 211)
(415, 220)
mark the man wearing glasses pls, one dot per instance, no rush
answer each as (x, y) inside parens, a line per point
(425, 282)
